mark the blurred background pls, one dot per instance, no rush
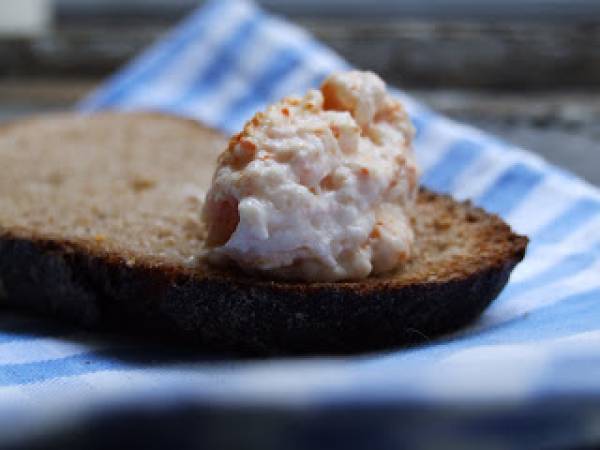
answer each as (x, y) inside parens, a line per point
(527, 70)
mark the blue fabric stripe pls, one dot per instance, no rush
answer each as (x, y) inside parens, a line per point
(441, 176)
(545, 322)
(510, 189)
(573, 314)
(151, 63)
(27, 373)
(577, 215)
(316, 81)
(421, 121)
(567, 267)
(281, 65)
(90, 362)
(576, 313)
(228, 57)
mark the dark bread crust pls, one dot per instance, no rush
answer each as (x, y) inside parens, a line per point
(463, 258)
(230, 312)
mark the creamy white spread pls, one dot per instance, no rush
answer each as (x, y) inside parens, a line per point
(317, 188)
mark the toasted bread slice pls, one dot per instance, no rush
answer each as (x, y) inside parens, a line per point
(100, 224)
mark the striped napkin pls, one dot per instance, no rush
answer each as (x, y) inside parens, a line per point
(535, 353)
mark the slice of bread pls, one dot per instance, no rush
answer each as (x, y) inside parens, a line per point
(100, 224)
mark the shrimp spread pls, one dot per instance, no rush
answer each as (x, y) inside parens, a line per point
(317, 188)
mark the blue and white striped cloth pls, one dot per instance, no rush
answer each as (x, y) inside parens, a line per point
(539, 342)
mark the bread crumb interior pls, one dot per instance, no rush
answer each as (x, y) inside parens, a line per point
(133, 186)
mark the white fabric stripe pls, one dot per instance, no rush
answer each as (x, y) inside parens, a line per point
(413, 107)
(272, 379)
(79, 388)
(548, 199)
(267, 378)
(213, 107)
(238, 82)
(43, 349)
(540, 297)
(300, 79)
(481, 174)
(548, 349)
(503, 371)
(282, 86)
(549, 254)
(434, 143)
(42, 407)
(273, 37)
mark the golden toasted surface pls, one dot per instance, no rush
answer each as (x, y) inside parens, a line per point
(131, 187)
(454, 240)
(131, 184)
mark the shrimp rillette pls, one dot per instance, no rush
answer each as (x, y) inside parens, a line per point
(317, 188)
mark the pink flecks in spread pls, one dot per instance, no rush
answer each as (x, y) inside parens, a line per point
(317, 188)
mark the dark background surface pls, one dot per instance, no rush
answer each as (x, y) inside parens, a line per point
(526, 70)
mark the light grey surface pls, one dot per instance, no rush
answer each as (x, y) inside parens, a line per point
(406, 50)
(521, 9)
